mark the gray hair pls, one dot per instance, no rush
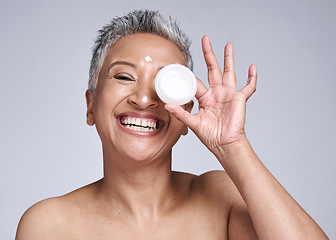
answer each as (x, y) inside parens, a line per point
(144, 21)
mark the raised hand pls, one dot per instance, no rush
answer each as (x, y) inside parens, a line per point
(221, 117)
(219, 124)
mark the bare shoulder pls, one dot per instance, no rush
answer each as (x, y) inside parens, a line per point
(41, 220)
(213, 189)
(218, 185)
(50, 218)
(220, 188)
(215, 183)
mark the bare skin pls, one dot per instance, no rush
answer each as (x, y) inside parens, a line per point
(139, 196)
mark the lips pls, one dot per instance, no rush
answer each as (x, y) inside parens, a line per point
(141, 124)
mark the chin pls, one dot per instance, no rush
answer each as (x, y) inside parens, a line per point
(144, 155)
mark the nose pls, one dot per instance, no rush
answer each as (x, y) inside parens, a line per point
(144, 96)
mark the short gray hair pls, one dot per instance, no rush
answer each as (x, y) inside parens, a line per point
(144, 21)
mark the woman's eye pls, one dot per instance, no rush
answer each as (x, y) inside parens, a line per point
(124, 78)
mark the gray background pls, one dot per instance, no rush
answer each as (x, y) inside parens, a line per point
(48, 150)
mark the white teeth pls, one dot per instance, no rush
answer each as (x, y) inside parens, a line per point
(137, 121)
(138, 124)
(139, 129)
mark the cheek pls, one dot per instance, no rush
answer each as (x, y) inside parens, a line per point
(107, 100)
(112, 94)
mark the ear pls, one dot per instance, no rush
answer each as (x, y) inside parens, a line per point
(188, 107)
(89, 95)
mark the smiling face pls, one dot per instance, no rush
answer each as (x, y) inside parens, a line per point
(130, 118)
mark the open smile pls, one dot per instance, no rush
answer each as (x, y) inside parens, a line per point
(141, 124)
(138, 124)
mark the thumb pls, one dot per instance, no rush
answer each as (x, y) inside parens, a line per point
(184, 116)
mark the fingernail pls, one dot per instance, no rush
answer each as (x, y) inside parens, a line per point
(168, 108)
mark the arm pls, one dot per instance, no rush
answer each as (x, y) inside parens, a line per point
(219, 124)
(274, 213)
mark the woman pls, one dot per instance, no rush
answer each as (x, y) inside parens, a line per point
(139, 196)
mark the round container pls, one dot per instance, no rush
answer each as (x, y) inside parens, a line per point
(175, 84)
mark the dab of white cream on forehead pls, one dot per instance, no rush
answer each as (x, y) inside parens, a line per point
(148, 59)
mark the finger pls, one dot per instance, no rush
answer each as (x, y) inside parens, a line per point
(201, 89)
(214, 71)
(251, 84)
(229, 76)
(181, 114)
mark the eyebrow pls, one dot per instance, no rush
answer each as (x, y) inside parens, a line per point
(127, 64)
(122, 63)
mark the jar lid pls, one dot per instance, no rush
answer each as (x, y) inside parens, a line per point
(175, 84)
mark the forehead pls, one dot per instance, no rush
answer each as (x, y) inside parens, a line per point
(138, 46)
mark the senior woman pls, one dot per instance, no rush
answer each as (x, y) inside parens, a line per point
(140, 197)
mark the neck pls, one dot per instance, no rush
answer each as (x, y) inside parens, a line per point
(140, 190)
